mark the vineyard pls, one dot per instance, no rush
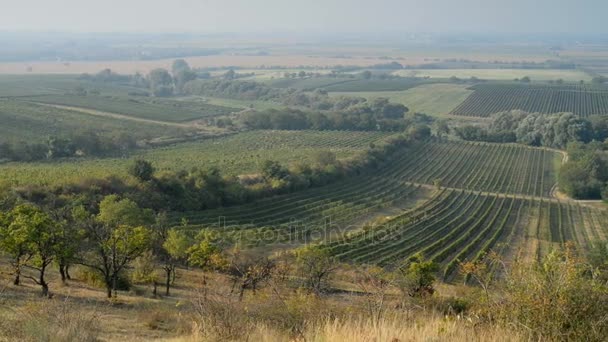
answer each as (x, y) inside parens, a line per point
(488, 99)
(410, 175)
(486, 167)
(22, 121)
(234, 155)
(139, 107)
(459, 225)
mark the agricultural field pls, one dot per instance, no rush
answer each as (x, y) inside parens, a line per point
(235, 154)
(567, 75)
(339, 84)
(488, 99)
(433, 99)
(457, 225)
(29, 122)
(139, 107)
(347, 205)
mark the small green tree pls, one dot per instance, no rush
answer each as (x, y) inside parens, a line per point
(142, 170)
(175, 248)
(417, 276)
(316, 266)
(145, 270)
(115, 237)
(37, 240)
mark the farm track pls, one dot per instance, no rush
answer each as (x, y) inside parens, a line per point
(190, 125)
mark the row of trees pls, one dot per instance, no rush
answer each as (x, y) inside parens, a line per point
(77, 145)
(555, 130)
(378, 114)
(120, 240)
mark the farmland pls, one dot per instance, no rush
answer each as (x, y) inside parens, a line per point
(139, 107)
(499, 74)
(235, 154)
(433, 99)
(521, 172)
(458, 225)
(22, 121)
(488, 99)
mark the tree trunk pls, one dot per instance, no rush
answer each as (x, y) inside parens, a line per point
(17, 280)
(42, 282)
(115, 284)
(109, 291)
(67, 272)
(154, 289)
(168, 283)
(62, 272)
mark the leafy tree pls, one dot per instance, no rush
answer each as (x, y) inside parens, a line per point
(145, 270)
(205, 255)
(32, 239)
(417, 276)
(116, 236)
(175, 248)
(179, 65)
(274, 170)
(161, 82)
(316, 266)
(142, 170)
(14, 240)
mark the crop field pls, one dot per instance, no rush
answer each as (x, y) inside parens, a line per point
(346, 205)
(485, 167)
(488, 99)
(140, 107)
(33, 85)
(433, 99)
(500, 74)
(459, 225)
(235, 154)
(28, 122)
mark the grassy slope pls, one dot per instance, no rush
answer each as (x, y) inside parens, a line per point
(433, 99)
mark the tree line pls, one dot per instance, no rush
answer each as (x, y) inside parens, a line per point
(76, 145)
(585, 174)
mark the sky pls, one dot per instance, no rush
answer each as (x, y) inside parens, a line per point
(220, 16)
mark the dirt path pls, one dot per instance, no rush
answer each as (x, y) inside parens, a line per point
(192, 124)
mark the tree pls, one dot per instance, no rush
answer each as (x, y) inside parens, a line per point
(179, 65)
(417, 276)
(442, 128)
(316, 266)
(205, 255)
(161, 82)
(14, 240)
(274, 170)
(33, 240)
(175, 248)
(142, 170)
(115, 237)
(145, 270)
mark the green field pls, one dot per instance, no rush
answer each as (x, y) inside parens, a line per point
(236, 154)
(489, 98)
(139, 107)
(499, 74)
(28, 122)
(32, 85)
(432, 99)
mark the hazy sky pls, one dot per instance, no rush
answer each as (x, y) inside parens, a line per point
(306, 15)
